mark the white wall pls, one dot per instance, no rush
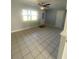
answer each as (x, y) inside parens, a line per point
(17, 22)
(61, 47)
(56, 17)
(62, 52)
(51, 17)
(60, 17)
(64, 56)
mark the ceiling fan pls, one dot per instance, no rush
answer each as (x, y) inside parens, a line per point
(44, 6)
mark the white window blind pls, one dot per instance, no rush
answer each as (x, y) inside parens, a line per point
(29, 15)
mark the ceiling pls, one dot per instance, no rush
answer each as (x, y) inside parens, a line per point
(54, 3)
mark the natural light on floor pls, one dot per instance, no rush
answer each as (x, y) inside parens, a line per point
(29, 15)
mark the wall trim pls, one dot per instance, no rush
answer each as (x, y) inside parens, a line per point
(18, 30)
(23, 29)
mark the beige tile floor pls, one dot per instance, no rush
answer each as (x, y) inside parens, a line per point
(36, 43)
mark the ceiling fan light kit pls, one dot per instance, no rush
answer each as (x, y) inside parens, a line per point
(43, 8)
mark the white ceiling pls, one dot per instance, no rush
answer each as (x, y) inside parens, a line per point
(54, 3)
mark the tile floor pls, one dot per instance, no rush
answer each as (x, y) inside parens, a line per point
(36, 43)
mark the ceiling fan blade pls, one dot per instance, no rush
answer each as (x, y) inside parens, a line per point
(43, 4)
(48, 4)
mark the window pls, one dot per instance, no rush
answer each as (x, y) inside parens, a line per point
(29, 15)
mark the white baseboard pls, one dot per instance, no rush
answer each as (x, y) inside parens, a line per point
(18, 30)
(23, 29)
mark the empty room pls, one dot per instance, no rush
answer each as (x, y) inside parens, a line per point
(38, 29)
